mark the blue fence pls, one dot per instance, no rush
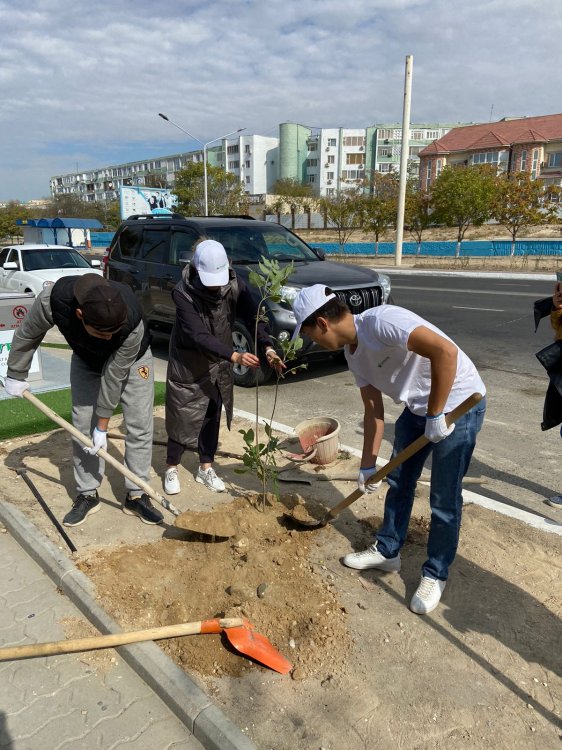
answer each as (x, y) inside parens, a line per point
(442, 249)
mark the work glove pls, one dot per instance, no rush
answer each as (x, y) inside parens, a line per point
(99, 439)
(15, 387)
(436, 428)
(363, 480)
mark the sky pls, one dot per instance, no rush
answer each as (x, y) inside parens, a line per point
(81, 84)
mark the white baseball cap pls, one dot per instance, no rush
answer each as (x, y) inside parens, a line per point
(211, 263)
(309, 300)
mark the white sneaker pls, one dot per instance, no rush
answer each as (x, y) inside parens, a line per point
(210, 479)
(372, 558)
(171, 481)
(427, 596)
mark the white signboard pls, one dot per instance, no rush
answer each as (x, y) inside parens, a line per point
(5, 344)
(145, 200)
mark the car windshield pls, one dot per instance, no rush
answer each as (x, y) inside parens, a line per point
(249, 244)
(41, 260)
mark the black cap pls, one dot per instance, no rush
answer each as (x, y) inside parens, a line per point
(102, 305)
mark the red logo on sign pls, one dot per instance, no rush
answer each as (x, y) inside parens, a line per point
(19, 312)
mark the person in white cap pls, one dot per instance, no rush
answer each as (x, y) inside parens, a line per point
(209, 298)
(393, 351)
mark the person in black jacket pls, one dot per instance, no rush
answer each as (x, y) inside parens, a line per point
(209, 298)
(111, 363)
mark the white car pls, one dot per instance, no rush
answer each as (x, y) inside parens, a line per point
(31, 268)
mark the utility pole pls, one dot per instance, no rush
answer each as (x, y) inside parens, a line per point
(404, 159)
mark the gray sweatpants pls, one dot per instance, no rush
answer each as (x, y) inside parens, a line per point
(137, 399)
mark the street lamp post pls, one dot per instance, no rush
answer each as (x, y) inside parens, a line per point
(219, 138)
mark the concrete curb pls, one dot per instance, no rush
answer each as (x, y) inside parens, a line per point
(531, 519)
(175, 688)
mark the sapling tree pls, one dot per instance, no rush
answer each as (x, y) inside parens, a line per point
(259, 454)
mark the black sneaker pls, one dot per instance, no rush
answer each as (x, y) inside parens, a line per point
(143, 508)
(81, 509)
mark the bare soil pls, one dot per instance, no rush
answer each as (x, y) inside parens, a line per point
(483, 671)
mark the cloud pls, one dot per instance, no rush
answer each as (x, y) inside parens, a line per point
(85, 84)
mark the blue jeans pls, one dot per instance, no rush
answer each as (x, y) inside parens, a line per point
(450, 462)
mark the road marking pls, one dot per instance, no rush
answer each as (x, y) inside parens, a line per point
(485, 309)
(496, 292)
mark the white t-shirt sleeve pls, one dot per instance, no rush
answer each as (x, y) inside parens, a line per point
(393, 326)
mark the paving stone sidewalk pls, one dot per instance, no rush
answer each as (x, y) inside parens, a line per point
(57, 702)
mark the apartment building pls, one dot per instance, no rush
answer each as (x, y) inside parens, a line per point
(525, 144)
(254, 160)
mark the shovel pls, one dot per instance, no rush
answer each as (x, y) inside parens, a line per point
(240, 634)
(300, 517)
(222, 527)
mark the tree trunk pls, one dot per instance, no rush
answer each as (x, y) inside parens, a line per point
(512, 251)
(325, 218)
(293, 213)
(458, 249)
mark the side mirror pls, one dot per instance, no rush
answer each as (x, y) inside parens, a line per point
(320, 252)
(10, 266)
(95, 263)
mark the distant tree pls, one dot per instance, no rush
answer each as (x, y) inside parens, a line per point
(379, 207)
(8, 220)
(292, 188)
(463, 197)
(521, 202)
(278, 205)
(344, 211)
(225, 192)
(418, 213)
(70, 205)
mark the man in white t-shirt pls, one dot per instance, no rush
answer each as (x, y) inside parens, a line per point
(393, 351)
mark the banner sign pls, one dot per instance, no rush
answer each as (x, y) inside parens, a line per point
(145, 200)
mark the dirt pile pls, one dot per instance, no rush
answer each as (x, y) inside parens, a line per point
(263, 573)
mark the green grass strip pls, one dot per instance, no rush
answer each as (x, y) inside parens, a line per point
(18, 417)
(54, 346)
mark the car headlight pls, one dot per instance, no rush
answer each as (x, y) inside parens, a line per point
(289, 293)
(385, 286)
(47, 283)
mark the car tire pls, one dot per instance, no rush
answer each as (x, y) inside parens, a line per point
(242, 341)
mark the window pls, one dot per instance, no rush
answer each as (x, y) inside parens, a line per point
(332, 142)
(330, 191)
(416, 135)
(385, 152)
(428, 173)
(354, 158)
(524, 160)
(155, 246)
(247, 164)
(350, 174)
(234, 164)
(247, 149)
(385, 134)
(4, 256)
(313, 147)
(312, 178)
(232, 149)
(486, 157)
(385, 168)
(312, 162)
(555, 159)
(354, 140)
(248, 179)
(128, 242)
(329, 175)
(438, 167)
(414, 150)
(181, 246)
(535, 167)
(432, 134)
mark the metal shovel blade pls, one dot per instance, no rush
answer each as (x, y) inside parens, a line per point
(255, 645)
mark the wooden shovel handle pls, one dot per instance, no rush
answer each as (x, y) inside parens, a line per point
(119, 639)
(404, 455)
(102, 453)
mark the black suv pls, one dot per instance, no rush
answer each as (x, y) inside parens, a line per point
(149, 252)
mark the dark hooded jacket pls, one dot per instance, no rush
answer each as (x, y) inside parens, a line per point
(200, 351)
(551, 359)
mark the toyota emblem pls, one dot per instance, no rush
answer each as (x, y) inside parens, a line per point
(355, 299)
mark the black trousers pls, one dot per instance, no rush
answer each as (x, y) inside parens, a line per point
(208, 435)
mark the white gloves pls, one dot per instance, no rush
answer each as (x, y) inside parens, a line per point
(363, 480)
(436, 428)
(15, 387)
(99, 438)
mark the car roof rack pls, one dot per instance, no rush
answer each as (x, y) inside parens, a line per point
(136, 217)
(230, 216)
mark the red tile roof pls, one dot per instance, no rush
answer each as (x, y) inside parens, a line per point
(497, 134)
